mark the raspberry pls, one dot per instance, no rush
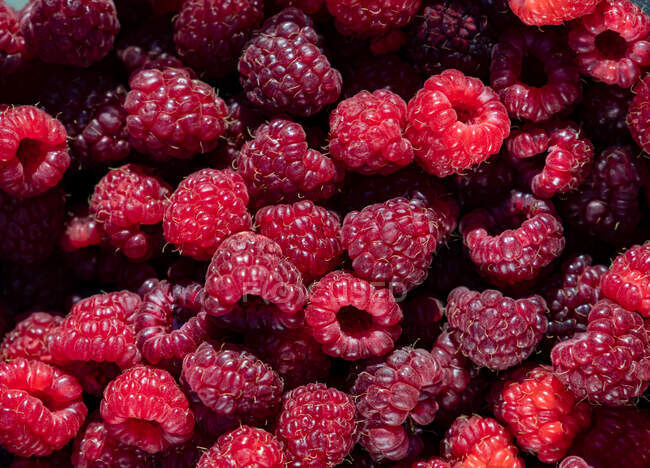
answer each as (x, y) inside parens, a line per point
(534, 74)
(490, 182)
(367, 133)
(254, 315)
(603, 113)
(477, 441)
(206, 208)
(542, 415)
(388, 72)
(609, 363)
(42, 407)
(389, 43)
(308, 235)
(434, 462)
(532, 238)
(574, 462)
(130, 202)
(639, 113)
(351, 318)
(33, 151)
(283, 70)
(475, 317)
(70, 32)
(29, 337)
(277, 166)
(368, 18)
(81, 230)
(455, 122)
(611, 44)
(30, 227)
(423, 314)
(210, 34)
(233, 384)
(144, 407)
(627, 281)
(544, 12)
(13, 51)
(246, 446)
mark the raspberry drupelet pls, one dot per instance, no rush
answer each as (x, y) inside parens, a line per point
(351, 318)
(368, 18)
(455, 122)
(28, 339)
(638, 114)
(612, 43)
(627, 281)
(545, 12)
(246, 446)
(534, 74)
(13, 50)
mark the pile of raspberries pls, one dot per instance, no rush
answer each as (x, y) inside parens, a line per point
(324, 233)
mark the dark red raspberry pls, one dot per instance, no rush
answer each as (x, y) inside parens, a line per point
(234, 384)
(246, 446)
(144, 407)
(574, 462)
(207, 207)
(42, 407)
(30, 227)
(255, 315)
(309, 236)
(535, 76)
(29, 338)
(367, 18)
(541, 413)
(13, 51)
(455, 122)
(603, 114)
(70, 32)
(639, 114)
(367, 133)
(488, 182)
(543, 12)
(210, 34)
(423, 314)
(283, 70)
(612, 44)
(493, 330)
(628, 279)
(351, 318)
(515, 240)
(370, 73)
(33, 151)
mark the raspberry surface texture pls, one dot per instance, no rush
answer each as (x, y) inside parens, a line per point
(540, 12)
(367, 18)
(13, 50)
(627, 280)
(246, 446)
(637, 116)
(29, 337)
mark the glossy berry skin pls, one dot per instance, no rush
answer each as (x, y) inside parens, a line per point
(13, 50)
(525, 101)
(28, 339)
(316, 425)
(367, 18)
(207, 207)
(246, 446)
(351, 318)
(42, 407)
(612, 44)
(637, 116)
(627, 280)
(540, 12)
(455, 122)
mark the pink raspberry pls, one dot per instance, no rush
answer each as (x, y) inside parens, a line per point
(367, 18)
(540, 12)
(13, 50)
(455, 122)
(638, 114)
(28, 339)
(627, 281)
(246, 446)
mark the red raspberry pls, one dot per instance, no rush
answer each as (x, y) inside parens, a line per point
(510, 256)
(367, 18)
(81, 230)
(42, 407)
(207, 207)
(234, 384)
(541, 413)
(489, 182)
(493, 330)
(33, 151)
(480, 442)
(277, 165)
(130, 202)
(603, 114)
(455, 122)
(574, 462)
(210, 34)
(308, 235)
(246, 446)
(351, 318)
(28, 339)
(543, 12)
(283, 69)
(13, 51)
(144, 407)
(535, 76)
(254, 315)
(628, 279)
(370, 73)
(639, 114)
(423, 314)
(70, 32)
(612, 44)
(367, 133)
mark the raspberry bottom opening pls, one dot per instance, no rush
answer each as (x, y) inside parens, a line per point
(533, 71)
(31, 154)
(611, 45)
(354, 322)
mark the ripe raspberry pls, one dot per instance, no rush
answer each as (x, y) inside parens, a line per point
(234, 384)
(367, 133)
(210, 34)
(351, 318)
(368, 18)
(515, 240)
(475, 319)
(13, 51)
(246, 446)
(574, 462)
(611, 44)
(207, 207)
(423, 314)
(70, 32)
(639, 114)
(610, 362)
(535, 76)
(308, 235)
(628, 279)
(28, 339)
(283, 69)
(371, 73)
(603, 114)
(455, 122)
(480, 442)
(33, 151)
(277, 165)
(255, 315)
(42, 407)
(541, 413)
(489, 182)
(144, 407)
(540, 12)
(81, 230)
